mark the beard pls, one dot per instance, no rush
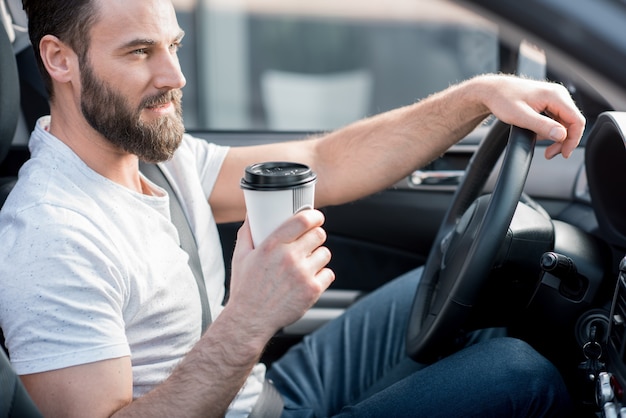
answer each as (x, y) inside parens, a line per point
(110, 114)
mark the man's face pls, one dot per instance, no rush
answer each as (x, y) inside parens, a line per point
(110, 113)
(131, 80)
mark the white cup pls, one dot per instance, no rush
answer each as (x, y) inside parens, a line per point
(273, 192)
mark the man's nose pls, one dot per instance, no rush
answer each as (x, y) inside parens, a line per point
(168, 73)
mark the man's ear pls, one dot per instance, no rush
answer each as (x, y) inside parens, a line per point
(58, 58)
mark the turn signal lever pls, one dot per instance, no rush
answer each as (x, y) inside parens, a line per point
(573, 285)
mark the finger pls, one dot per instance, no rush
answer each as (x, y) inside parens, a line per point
(293, 228)
(572, 127)
(566, 139)
(564, 127)
(318, 259)
(244, 237)
(310, 240)
(554, 150)
(325, 278)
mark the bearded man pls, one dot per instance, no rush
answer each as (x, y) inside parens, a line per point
(99, 307)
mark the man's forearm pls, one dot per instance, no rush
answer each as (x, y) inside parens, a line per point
(389, 146)
(373, 154)
(208, 378)
(364, 157)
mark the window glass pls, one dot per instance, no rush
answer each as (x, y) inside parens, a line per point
(294, 65)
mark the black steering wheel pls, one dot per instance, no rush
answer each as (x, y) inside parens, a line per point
(468, 241)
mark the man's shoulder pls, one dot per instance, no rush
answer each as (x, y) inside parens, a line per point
(50, 200)
(192, 145)
(43, 185)
(197, 155)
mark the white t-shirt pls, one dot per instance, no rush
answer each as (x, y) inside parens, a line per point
(91, 270)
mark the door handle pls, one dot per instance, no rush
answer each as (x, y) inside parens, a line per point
(436, 177)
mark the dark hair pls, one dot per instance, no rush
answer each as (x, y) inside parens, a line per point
(68, 20)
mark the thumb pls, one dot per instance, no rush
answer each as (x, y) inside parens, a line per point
(244, 238)
(547, 128)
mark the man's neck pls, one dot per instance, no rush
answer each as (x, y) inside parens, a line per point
(96, 151)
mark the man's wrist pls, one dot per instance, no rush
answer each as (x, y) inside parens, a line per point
(240, 337)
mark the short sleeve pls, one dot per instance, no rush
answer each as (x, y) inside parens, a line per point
(64, 307)
(205, 156)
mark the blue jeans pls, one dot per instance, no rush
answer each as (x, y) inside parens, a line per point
(356, 365)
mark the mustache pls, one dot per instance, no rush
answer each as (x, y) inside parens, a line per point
(160, 99)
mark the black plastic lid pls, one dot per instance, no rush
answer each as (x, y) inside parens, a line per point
(276, 175)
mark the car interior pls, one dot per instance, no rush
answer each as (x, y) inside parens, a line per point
(556, 280)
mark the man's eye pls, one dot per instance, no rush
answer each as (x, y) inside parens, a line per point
(175, 46)
(141, 51)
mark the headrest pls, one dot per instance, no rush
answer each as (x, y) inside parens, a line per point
(9, 93)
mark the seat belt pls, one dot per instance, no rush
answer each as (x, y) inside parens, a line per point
(270, 403)
(187, 240)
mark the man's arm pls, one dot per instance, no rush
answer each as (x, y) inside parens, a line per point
(202, 385)
(262, 301)
(374, 153)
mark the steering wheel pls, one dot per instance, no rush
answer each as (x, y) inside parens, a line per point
(468, 241)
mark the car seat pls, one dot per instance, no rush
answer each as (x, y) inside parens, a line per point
(14, 400)
(9, 105)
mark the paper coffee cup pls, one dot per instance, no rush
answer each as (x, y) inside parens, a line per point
(273, 192)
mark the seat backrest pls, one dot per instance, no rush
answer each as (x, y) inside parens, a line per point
(14, 400)
(9, 104)
(9, 93)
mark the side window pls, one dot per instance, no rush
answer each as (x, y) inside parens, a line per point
(293, 65)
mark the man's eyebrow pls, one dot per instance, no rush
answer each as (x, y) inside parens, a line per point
(148, 41)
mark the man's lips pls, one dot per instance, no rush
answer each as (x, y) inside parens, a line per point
(161, 107)
(163, 103)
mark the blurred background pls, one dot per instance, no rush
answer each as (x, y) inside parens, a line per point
(293, 65)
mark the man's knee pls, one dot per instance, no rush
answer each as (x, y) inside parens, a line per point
(525, 375)
(514, 356)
